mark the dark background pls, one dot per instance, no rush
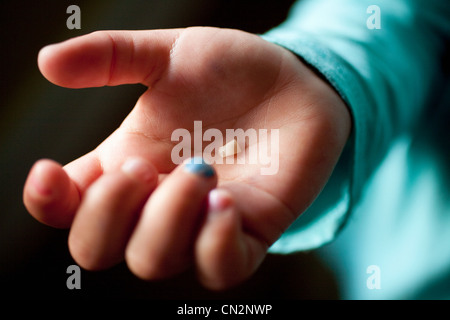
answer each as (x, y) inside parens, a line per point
(41, 120)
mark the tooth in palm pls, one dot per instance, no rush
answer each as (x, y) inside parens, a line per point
(229, 149)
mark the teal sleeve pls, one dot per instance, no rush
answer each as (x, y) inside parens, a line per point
(385, 75)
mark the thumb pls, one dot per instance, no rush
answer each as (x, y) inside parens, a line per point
(108, 58)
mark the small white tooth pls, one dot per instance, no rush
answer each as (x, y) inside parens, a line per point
(229, 149)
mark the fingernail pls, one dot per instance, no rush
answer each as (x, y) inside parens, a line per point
(40, 182)
(199, 166)
(40, 187)
(138, 168)
(219, 201)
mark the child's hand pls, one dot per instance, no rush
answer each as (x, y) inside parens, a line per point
(127, 198)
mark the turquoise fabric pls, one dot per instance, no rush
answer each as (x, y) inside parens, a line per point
(388, 202)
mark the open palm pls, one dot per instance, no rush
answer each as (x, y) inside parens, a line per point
(227, 79)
